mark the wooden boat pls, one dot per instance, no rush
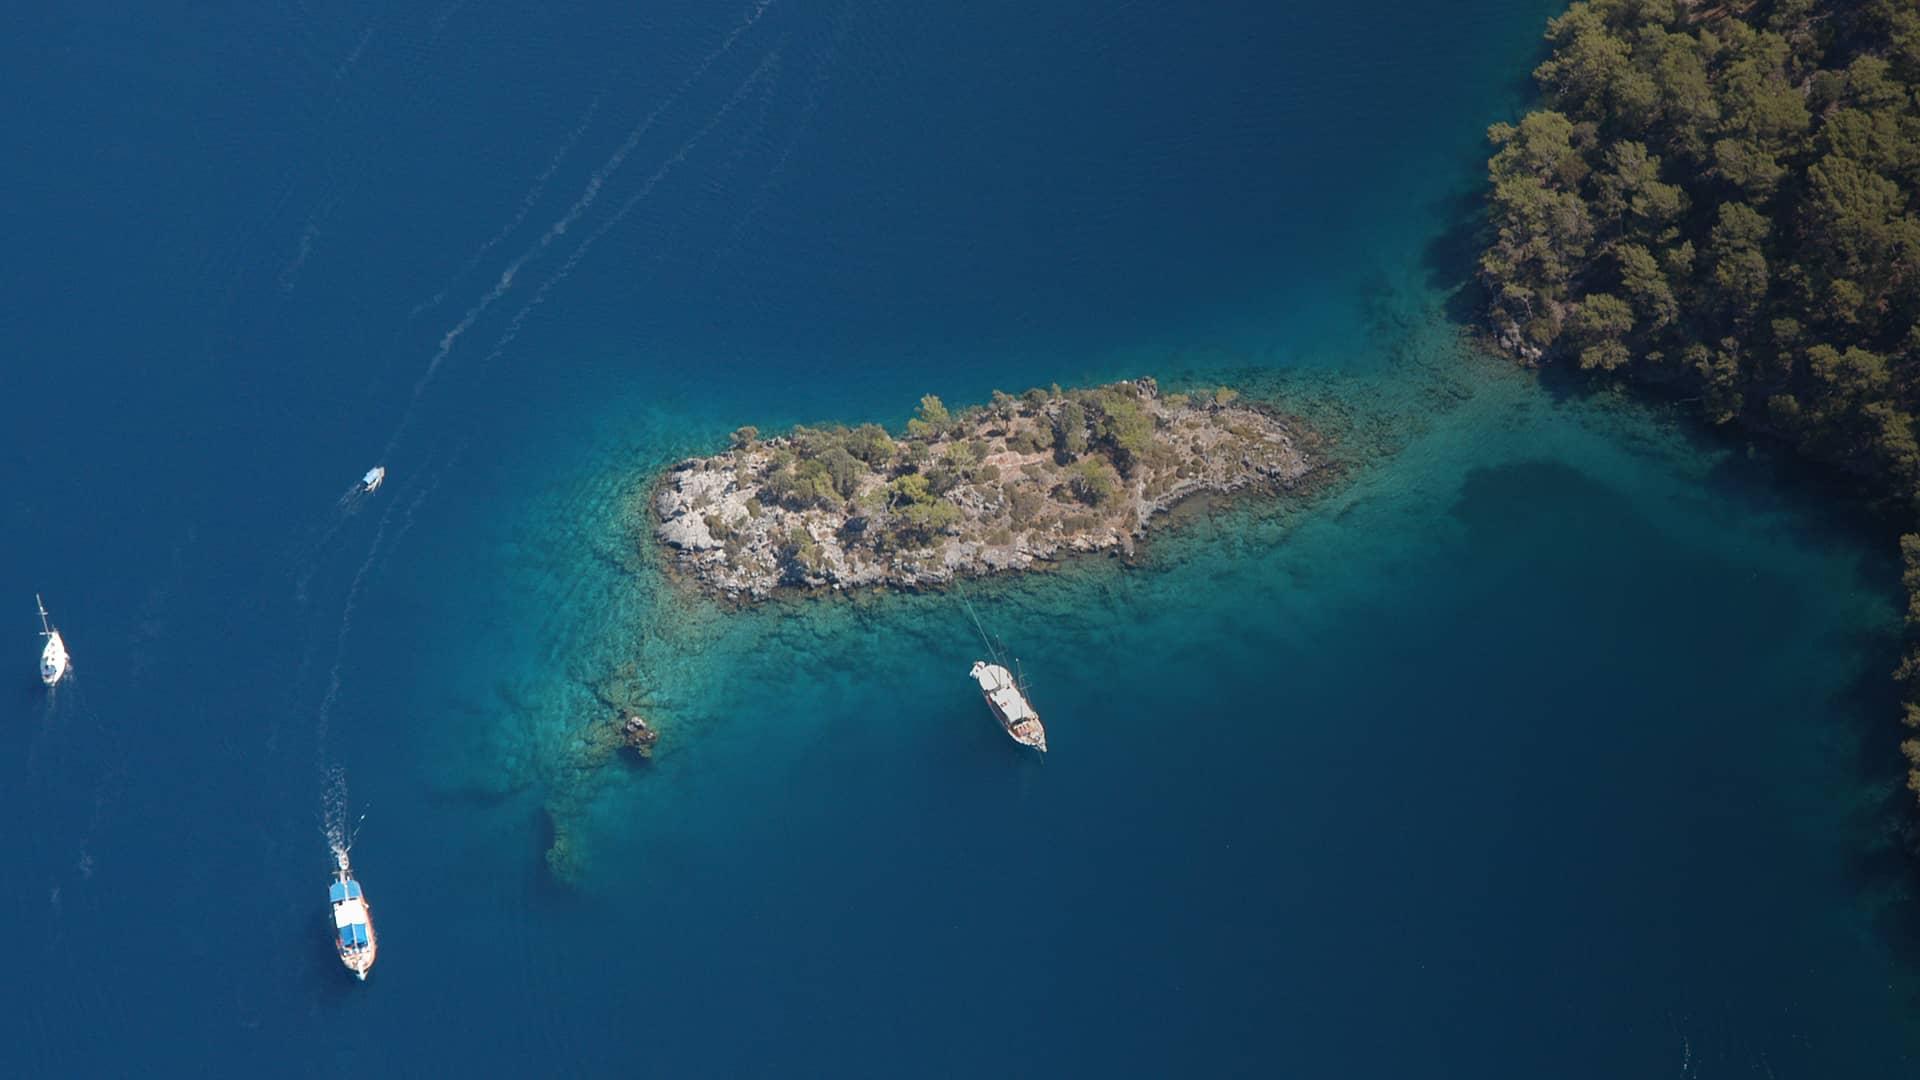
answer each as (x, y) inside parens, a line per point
(352, 921)
(1008, 701)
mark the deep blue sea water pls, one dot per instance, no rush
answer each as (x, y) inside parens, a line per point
(1552, 742)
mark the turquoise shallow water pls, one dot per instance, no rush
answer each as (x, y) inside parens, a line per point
(1554, 741)
(1527, 722)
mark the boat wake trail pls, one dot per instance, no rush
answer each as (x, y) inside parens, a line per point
(311, 232)
(346, 625)
(306, 558)
(446, 15)
(767, 63)
(379, 547)
(809, 110)
(397, 518)
(583, 202)
(359, 50)
(54, 717)
(351, 499)
(519, 218)
(413, 505)
(334, 815)
(588, 195)
(716, 178)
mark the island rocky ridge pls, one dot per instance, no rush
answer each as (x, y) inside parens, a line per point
(998, 487)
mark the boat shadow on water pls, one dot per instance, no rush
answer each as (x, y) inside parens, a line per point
(312, 924)
(60, 715)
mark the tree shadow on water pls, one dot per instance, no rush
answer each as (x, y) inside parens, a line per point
(1885, 826)
(1451, 260)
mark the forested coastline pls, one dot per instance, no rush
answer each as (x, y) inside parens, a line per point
(1720, 199)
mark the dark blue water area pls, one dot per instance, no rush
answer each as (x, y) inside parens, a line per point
(1552, 742)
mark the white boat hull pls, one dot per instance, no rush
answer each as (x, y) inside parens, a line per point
(54, 662)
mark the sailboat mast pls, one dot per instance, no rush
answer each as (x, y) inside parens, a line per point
(985, 639)
(46, 628)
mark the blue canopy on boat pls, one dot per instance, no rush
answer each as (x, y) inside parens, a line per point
(355, 936)
(337, 892)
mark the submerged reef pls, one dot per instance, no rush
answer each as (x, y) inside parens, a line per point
(656, 646)
(622, 726)
(999, 487)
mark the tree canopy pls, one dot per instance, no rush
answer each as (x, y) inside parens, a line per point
(1721, 199)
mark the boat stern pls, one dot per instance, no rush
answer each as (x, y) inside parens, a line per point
(352, 926)
(53, 659)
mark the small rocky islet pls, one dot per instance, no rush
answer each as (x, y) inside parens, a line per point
(1006, 486)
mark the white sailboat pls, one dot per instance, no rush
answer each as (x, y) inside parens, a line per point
(54, 661)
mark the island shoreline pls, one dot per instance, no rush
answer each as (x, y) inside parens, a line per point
(1020, 485)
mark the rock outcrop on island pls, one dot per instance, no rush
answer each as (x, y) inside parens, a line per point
(997, 487)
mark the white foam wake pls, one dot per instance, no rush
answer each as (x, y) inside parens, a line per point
(527, 203)
(333, 812)
(573, 260)
(588, 195)
(809, 110)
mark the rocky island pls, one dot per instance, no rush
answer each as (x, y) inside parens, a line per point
(1002, 486)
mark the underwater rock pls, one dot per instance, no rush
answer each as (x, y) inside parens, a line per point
(563, 859)
(638, 737)
(998, 488)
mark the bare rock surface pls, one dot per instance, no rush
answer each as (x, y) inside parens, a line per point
(996, 488)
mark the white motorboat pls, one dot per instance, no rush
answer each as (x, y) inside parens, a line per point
(371, 482)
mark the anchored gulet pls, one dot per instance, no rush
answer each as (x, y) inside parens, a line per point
(1005, 694)
(1008, 701)
(54, 662)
